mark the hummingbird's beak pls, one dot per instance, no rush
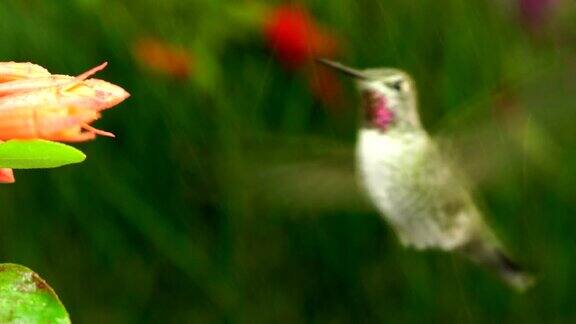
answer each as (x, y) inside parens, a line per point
(343, 68)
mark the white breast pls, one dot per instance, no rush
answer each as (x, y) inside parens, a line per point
(385, 163)
(402, 176)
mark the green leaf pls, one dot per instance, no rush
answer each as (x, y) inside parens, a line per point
(27, 298)
(37, 154)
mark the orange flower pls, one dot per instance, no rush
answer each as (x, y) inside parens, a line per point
(16, 71)
(162, 57)
(6, 175)
(36, 104)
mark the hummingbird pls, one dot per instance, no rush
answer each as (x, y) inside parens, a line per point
(415, 188)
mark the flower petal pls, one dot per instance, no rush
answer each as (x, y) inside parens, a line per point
(16, 71)
(7, 176)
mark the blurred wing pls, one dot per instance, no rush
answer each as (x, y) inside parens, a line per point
(514, 129)
(305, 173)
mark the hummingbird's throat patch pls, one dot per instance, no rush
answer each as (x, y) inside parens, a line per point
(376, 110)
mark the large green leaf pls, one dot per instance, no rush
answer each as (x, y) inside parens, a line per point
(37, 154)
(27, 298)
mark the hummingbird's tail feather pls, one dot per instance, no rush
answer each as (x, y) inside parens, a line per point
(495, 259)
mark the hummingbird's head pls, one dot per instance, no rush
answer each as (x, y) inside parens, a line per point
(388, 97)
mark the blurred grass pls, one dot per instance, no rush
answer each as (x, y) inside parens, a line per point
(170, 222)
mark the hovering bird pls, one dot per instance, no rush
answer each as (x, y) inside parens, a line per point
(421, 195)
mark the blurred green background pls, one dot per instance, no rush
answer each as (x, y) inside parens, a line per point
(228, 194)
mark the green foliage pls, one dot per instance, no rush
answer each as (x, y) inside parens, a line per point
(37, 154)
(27, 298)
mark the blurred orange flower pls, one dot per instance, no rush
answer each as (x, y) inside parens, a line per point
(162, 57)
(296, 38)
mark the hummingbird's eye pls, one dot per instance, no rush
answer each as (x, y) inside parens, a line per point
(397, 85)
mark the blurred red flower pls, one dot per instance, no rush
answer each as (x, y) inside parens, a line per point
(534, 13)
(326, 87)
(162, 57)
(296, 38)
